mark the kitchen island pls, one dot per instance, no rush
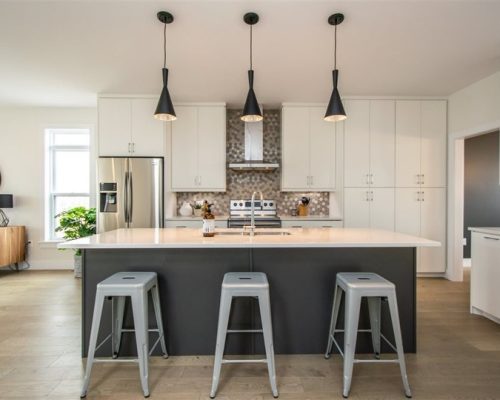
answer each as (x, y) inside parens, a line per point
(301, 265)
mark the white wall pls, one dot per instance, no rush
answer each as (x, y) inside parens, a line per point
(472, 111)
(475, 108)
(22, 169)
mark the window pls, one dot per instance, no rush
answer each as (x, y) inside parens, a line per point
(67, 174)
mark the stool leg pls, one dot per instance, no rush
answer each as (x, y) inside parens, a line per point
(159, 322)
(267, 330)
(96, 321)
(352, 306)
(140, 311)
(393, 306)
(337, 297)
(374, 310)
(224, 310)
(118, 313)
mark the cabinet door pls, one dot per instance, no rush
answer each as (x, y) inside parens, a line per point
(407, 215)
(212, 148)
(356, 208)
(433, 143)
(148, 133)
(485, 273)
(407, 143)
(114, 127)
(185, 149)
(382, 208)
(357, 143)
(295, 148)
(433, 226)
(322, 150)
(382, 142)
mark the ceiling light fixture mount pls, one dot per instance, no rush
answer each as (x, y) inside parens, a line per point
(335, 111)
(251, 110)
(165, 109)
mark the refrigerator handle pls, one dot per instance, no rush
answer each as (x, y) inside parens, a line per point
(125, 197)
(131, 199)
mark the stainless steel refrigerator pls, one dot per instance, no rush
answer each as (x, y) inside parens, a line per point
(130, 193)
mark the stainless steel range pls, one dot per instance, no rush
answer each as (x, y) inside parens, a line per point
(265, 214)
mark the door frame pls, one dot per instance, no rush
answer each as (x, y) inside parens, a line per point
(455, 228)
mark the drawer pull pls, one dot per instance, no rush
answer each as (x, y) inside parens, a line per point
(491, 238)
(296, 226)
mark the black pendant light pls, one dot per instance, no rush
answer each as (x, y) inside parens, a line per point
(251, 110)
(335, 110)
(165, 109)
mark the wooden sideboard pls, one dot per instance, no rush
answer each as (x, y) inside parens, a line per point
(12, 245)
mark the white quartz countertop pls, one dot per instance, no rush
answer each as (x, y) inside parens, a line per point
(488, 231)
(232, 238)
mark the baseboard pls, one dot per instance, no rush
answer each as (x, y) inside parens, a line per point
(477, 311)
(431, 275)
(48, 265)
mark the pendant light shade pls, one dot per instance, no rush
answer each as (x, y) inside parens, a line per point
(335, 111)
(251, 110)
(165, 109)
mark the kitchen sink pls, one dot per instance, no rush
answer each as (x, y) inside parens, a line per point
(256, 233)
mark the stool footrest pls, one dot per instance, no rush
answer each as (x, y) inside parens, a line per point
(244, 331)
(392, 361)
(242, 361)
(115, 360)
(133, 330)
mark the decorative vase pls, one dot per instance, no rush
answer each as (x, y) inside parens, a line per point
(77, 263)
(186, 210)
(303, 210)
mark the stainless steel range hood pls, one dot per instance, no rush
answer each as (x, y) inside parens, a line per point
(254, 150)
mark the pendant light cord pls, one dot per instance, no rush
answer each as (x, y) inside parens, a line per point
(251, 47)
(335, 48)
(165, 46)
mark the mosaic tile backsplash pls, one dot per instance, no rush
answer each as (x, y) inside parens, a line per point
(241, 184)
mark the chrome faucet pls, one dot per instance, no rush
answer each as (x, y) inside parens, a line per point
(252, 213)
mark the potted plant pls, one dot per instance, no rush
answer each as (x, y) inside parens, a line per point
(197, 206)
(76, 223)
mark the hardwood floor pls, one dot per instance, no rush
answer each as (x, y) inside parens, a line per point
(458, 354)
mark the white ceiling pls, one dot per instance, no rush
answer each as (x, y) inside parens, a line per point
(63, 53)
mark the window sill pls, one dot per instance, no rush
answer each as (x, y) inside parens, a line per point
(49, 244)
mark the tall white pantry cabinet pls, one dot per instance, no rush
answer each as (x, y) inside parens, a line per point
(395, 171)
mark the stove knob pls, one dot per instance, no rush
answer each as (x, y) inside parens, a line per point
(265, 204)
(235, 204)
(241, 204)
(270, 204)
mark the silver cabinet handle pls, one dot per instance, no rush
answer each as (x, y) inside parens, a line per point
(199, 180)
(367, 195)
(490, 238)
(367, 180)
(371, 196)
(418, 179)
(371, 179)
(422, 179)
(418, 196)
(133, 147)
(423, 198)
(312, 180)
(129, 148)
(296, 226)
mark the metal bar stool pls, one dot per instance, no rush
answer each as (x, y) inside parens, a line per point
(374, 287)
(244, 284)
(135, 285)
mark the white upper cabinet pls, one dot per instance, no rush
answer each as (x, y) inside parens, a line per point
(357, 143)
(199, 148)
(421, 143)
(127, 127)
(433, 144)
(369, 140)
(308, 147)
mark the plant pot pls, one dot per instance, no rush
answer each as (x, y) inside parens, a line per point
(197, 212)
(78, 266)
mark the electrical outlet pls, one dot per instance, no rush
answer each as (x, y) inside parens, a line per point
(464, 241)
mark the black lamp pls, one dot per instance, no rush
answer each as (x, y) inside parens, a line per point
(165, 109)
(251, 110)
(6, 201)
(335, 110)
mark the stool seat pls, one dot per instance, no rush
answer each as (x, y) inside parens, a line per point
(129, 280)
(245, 280)
(363, 280)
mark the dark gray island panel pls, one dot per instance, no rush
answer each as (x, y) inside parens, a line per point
(301, 284)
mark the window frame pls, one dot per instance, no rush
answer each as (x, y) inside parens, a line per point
(51, 194)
